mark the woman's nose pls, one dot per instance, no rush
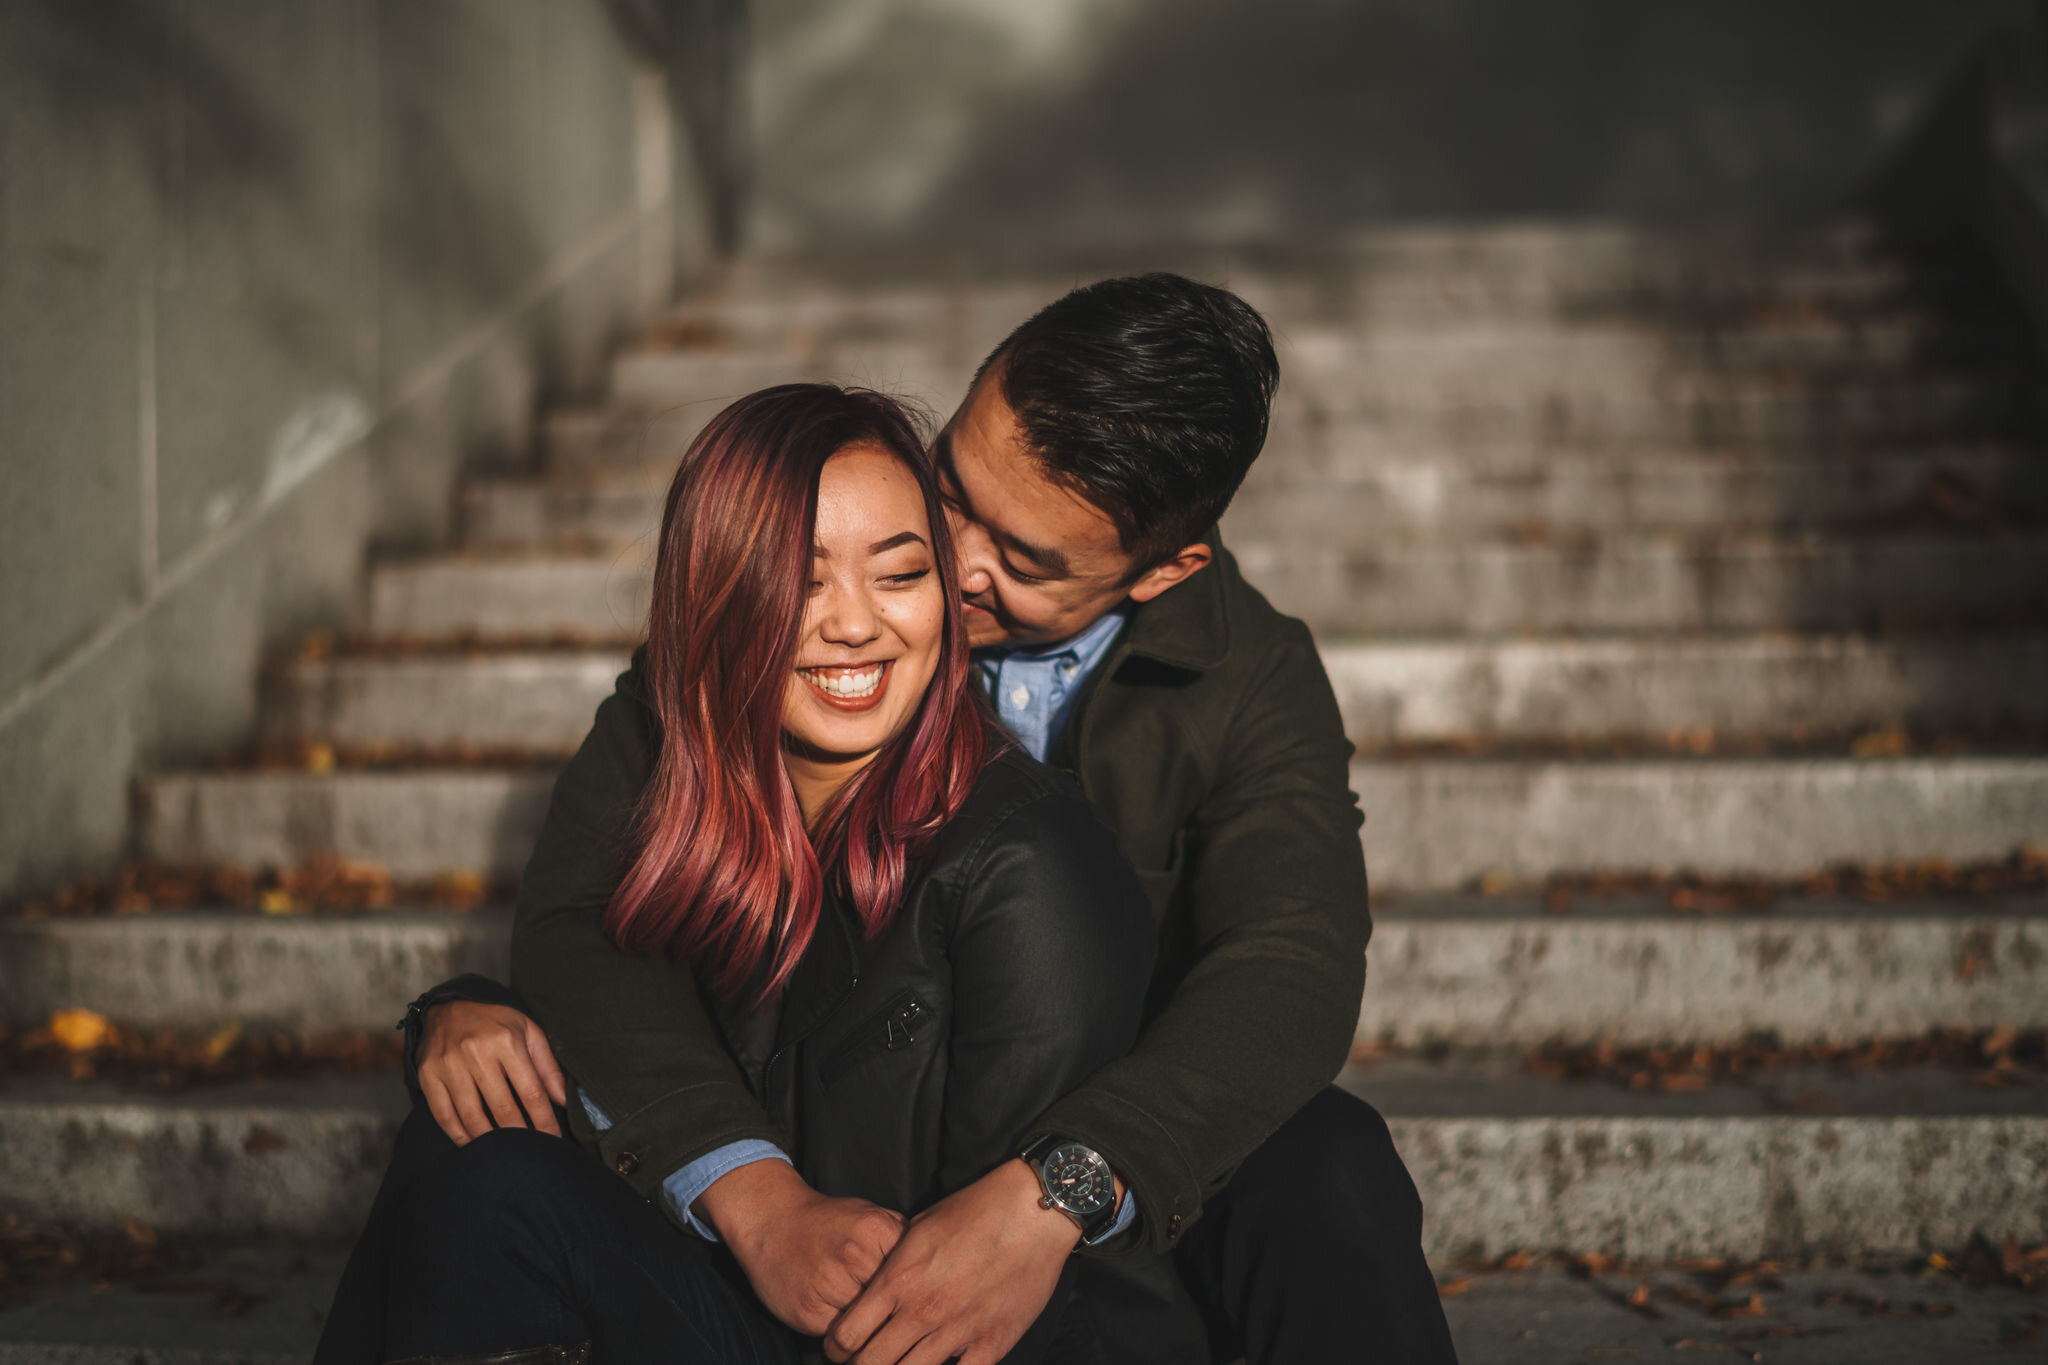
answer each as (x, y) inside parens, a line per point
(849, 617)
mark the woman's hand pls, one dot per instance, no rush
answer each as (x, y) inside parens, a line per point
(806, 1254)
(475, 1058)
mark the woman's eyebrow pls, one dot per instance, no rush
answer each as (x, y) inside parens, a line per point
(900, 538)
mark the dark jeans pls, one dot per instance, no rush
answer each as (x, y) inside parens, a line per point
(1312, 1255)
(521, 1240)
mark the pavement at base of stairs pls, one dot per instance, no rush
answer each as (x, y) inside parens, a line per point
(244, 1303)
(1549, 1317)
(1535, 1317)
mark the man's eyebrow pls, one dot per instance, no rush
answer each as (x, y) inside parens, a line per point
(1052, 562)
(1045, 557)
(900, 538)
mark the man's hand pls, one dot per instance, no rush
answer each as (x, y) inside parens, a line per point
(970, 1276)
(806, 1254)
(475, 1058)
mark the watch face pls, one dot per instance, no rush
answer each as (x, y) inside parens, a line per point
(1078, 1179)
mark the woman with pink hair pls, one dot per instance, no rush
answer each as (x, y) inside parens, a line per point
(911, 937)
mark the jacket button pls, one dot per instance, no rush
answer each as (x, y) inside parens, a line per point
(1173, 1226)
(629, 1162)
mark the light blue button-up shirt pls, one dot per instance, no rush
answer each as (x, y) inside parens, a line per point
(1034, 688)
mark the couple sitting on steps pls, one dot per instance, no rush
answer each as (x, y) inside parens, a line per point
(952, 923)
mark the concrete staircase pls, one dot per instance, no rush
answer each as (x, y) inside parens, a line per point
(1631, 553)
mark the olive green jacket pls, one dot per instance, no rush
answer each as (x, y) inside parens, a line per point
(1210, 741)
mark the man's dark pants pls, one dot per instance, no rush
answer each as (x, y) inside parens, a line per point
(1312, 1255)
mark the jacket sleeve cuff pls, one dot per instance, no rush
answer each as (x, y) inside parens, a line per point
(1157, 1175)
(643, 1147)
(681, 1189)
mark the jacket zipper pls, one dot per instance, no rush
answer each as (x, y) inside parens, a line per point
(895, 1026)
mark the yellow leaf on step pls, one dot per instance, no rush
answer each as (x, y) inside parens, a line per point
(1881, 744)
(216, 1047)
(319, 758)
(81, 1030)
(278, 901)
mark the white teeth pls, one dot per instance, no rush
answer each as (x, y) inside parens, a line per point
(847, 685)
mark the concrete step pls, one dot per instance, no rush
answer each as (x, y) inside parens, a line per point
(273, 1296)
(1437, 824)
(1369, 493)
(1600, 354)
(591, 597)
(196, 970)
(1568, 384)
(1404, 497)
(1551, 1315)
(539, 701)
(1812, 1164)
(653, 380)
(1438, 271)
(1543, 1315)
(1734, 582)
(1502, 972)
(587, 438)
(1396, 413)
(606, 505)
(1392, 692)
(290, 1158)
(1445, 824)
(1496, 971)
(1504, 1160)
(1459, 689)
(412, 823)
(1753, 581)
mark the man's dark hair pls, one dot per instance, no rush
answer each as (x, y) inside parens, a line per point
(1148, 395)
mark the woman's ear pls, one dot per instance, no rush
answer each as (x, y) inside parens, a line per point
(1185, 562)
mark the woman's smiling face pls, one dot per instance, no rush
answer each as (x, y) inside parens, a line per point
(873, 623)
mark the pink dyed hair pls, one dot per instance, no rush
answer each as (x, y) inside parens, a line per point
(723, 871)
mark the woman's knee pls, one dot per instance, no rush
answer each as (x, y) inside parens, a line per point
(501, 1187)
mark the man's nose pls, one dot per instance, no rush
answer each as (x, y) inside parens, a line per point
(972, 548)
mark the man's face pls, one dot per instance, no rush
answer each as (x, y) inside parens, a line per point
(1038, 562)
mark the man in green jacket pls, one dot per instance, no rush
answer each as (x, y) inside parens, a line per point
(1086, 472)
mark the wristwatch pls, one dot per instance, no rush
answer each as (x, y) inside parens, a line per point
(1076, 1181)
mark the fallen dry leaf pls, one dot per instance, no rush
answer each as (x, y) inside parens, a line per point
(80, 1030)
(167, 1060)
(322, 884)
(1888, 743)
(1450, 1289)
(216, 1047)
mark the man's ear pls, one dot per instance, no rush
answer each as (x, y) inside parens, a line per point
(1186, 562)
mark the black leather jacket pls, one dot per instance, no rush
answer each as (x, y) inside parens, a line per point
(903, 1069)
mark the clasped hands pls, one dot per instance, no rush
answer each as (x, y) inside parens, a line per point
(962, 1280)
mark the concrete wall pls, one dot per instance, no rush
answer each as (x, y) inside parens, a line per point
(992, 121)
(270, 271)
